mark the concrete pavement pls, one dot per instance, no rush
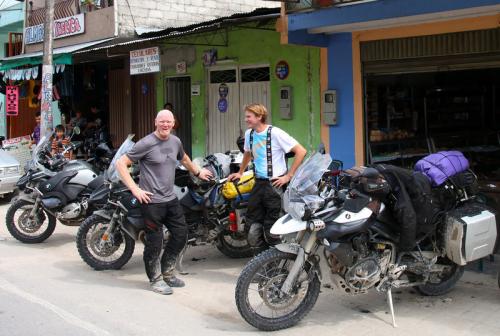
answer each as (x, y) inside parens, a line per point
(46, 289)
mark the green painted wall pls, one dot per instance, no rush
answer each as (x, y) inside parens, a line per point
(251, 46)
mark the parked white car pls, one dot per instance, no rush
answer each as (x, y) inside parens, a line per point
(10, 173)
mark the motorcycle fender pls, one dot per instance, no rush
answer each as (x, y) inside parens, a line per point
(27, 198)
(103, 213)
(287, 224)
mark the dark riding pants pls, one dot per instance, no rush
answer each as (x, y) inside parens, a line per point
(264, 207)
(156, 215)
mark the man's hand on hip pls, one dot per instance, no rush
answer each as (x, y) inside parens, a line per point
(142, 195)
(281, 181)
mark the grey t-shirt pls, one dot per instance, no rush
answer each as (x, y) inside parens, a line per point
(157, 161)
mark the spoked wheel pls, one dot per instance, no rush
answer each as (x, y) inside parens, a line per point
(443, 282)
(103, 252)
(259, 297)
(234, 245)
(28, 228)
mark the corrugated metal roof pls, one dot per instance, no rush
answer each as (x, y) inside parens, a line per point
(256, 15)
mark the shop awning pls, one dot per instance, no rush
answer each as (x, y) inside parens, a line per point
(62, 55)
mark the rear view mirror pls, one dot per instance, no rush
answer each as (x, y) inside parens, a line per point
(321, 148)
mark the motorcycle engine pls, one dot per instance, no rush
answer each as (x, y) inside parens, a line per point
(359, 265)
(364, 274)
(70, 211)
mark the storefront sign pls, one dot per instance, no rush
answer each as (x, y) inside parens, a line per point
(46, 100)
(282, 70)
(3, 121)
(210, 57)
(68, 26)
(19, 148)
(223, 90)
(145, 61)
(222, 105)
(22, 140)
(12, 101)
(180, 68)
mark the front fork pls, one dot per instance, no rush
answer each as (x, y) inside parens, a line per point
(111, 228)
(34, 210)
(302, 253)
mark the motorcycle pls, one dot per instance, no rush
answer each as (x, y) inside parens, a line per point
(106, 240)
(53, 188)
(98, 150)
(344, 237)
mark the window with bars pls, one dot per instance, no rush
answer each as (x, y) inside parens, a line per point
(261, 74)
(223, 76)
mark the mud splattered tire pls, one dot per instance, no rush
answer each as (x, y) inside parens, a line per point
(246, 278)
(446, 285)
(88, 237)
(25, 229)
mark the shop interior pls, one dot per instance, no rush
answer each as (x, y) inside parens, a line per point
(409, 116)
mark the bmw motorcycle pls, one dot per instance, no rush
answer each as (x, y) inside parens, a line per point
(52, 189)
(106, 240)
(345, 239)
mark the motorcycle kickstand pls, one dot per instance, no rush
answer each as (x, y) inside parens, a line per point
(179, 264)
(391, 307)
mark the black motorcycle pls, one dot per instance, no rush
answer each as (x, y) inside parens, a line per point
(52, 189)
(106, 240)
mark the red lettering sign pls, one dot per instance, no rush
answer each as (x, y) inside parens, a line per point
(12, 101)
(68, 26)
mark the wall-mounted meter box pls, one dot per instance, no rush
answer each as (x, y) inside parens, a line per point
(330, 107)
(286, 102)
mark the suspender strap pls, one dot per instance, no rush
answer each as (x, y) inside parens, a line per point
(269, 155)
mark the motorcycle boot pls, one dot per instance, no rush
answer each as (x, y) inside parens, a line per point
(161, 287)
(255, 236)
(168, 272)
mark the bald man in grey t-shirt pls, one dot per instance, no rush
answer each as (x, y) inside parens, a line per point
(157, 155)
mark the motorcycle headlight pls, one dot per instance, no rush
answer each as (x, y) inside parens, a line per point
(297, 209)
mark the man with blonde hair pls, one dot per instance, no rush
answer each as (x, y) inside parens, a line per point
(157, 154)
(267, 146)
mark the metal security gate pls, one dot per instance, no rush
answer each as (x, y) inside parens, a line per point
(178, 93)
(231, 89)
(478, 49)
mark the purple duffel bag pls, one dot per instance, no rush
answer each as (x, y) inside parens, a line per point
(439, 167)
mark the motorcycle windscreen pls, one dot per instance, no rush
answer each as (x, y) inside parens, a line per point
(305, 183)
(111, 173)
(42, 144)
